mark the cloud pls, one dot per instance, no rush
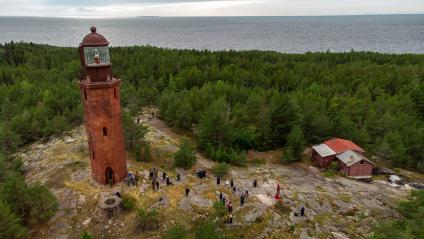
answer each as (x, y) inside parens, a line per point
(129, 8)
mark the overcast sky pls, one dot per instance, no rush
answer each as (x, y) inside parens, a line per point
(129, 8)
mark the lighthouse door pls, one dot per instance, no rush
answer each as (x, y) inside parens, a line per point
(110, 178)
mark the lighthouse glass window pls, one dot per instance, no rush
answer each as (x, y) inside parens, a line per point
(98, 55)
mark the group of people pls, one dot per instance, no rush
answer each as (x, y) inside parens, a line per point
(244, 193)
(228, 204)
(153, 175)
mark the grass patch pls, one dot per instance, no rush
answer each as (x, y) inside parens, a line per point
(282, 208)
(257, 161)
(329, 174)
(345, 197)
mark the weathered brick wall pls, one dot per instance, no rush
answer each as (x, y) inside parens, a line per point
(102, 115)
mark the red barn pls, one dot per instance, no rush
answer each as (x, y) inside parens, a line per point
(349, 156)
(354, 164)
(323, 155)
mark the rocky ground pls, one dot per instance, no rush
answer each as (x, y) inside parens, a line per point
(336, 207)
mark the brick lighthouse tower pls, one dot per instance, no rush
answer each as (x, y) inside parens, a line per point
(102, 111)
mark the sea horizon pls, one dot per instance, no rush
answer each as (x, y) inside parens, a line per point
(385, 33)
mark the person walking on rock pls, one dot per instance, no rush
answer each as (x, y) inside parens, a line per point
(242, 199)
(229, 207)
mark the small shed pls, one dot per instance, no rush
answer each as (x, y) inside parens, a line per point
(354, 164)
(323, 155)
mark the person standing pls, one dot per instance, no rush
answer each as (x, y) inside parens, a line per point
(187, 191)
(255, 183)
(163, 175)
(278, 189)
(302, 211)
(242, 199)
(230, 219)
(229, 207)
(232, 183)
(178, 177)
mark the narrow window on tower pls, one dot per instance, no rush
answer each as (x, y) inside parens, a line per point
(85, 94)
(104, 131)
(92, 152)
(114, 92)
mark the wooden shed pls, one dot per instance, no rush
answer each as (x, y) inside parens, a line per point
(355, 164)
(323, 155)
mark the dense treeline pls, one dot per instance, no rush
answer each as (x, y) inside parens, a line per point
(233, 101)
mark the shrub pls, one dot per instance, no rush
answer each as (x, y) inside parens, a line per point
(10, 226)
(128, 203)
(147, 220)
(207, 230)
(410, 225)
(176, 232)
(86, 235)
(220, 169)
(288, 156)
(185, 157)
(219, 209)
(334, 166)
(33, 204)
(222, 154)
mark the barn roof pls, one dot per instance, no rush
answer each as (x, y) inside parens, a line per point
(351, 157)
(323, 150)
(342, 145)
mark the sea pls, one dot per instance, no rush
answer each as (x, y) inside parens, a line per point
(377, 33)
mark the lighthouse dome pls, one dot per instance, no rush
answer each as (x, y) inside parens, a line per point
(94, 39)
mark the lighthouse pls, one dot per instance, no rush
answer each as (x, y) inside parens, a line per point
(102, 111)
